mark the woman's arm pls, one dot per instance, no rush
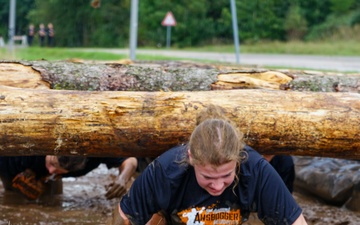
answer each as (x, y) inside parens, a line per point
(300, 220)
(123, 220)
(126, 171)
(156, 219)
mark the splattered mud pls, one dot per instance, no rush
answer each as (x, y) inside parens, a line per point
(83, 202)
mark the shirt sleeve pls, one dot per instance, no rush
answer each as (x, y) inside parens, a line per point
(93, 163)
(111, 162)
(275, 204)
(149, 194)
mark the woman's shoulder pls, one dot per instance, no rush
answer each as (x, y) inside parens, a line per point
(253, 156)
(172, 162)
(253, 163)
(172, 155)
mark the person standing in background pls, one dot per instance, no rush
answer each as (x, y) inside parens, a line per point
(42, 34)
(30, 34)
(50, 35)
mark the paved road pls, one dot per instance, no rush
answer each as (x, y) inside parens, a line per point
(336, 63)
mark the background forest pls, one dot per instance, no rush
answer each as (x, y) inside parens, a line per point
(200, 22)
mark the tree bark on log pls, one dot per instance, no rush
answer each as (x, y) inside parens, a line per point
(145, 124)
(167, 76)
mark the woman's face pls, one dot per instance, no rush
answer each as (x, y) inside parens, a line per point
(215, 179)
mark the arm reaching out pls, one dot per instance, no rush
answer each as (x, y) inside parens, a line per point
(126, 170)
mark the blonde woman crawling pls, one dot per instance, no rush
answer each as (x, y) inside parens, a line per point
(214, 179)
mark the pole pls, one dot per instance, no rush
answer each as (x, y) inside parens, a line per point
(12, 24)
(168, 36)
(133, 28)
(235, 30)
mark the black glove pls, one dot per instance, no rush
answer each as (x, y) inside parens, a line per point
(28, 185)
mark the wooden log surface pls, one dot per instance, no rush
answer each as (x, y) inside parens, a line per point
(170, 76)
(115, 123)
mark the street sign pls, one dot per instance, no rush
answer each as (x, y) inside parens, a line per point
(169, 20)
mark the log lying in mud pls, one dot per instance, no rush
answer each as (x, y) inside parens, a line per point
(114, 123)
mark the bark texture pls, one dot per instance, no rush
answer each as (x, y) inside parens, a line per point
(176, 76)
(104, 123)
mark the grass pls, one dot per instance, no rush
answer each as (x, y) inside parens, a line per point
(36, 53)
(333, 48)
(336, 48)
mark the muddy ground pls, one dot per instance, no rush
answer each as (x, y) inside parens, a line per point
(83, 202)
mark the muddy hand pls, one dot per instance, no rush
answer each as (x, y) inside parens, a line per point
(115, 190)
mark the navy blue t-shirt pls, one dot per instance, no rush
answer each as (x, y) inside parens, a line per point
(171, 187)
(284, 165)
(10, 166)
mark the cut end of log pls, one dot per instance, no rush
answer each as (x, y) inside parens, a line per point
(17, 75)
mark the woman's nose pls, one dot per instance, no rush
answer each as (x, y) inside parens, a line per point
(217, 185)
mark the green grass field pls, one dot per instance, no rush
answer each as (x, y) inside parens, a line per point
(346, 48)
(333, 48)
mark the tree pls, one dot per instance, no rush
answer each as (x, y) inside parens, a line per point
(341, 6)
(22, 21)
(79, 24)
(295, 24)
(198, 22)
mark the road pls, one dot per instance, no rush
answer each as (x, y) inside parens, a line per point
(333, 63)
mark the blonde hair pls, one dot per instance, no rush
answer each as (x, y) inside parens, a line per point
(215, 140)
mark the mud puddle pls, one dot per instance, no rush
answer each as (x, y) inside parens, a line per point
(82, 202)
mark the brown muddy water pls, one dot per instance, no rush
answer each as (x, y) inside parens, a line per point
(83, 202)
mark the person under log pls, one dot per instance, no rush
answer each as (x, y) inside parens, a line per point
(34, 176)
(213, 179)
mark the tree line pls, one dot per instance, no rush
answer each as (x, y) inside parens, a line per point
(200, 22)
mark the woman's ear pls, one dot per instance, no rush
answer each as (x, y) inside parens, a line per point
(190, 157)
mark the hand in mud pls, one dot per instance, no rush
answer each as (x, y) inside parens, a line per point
(116, 189)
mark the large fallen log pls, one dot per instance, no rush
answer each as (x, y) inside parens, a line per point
(104, 123)
(169, 76)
